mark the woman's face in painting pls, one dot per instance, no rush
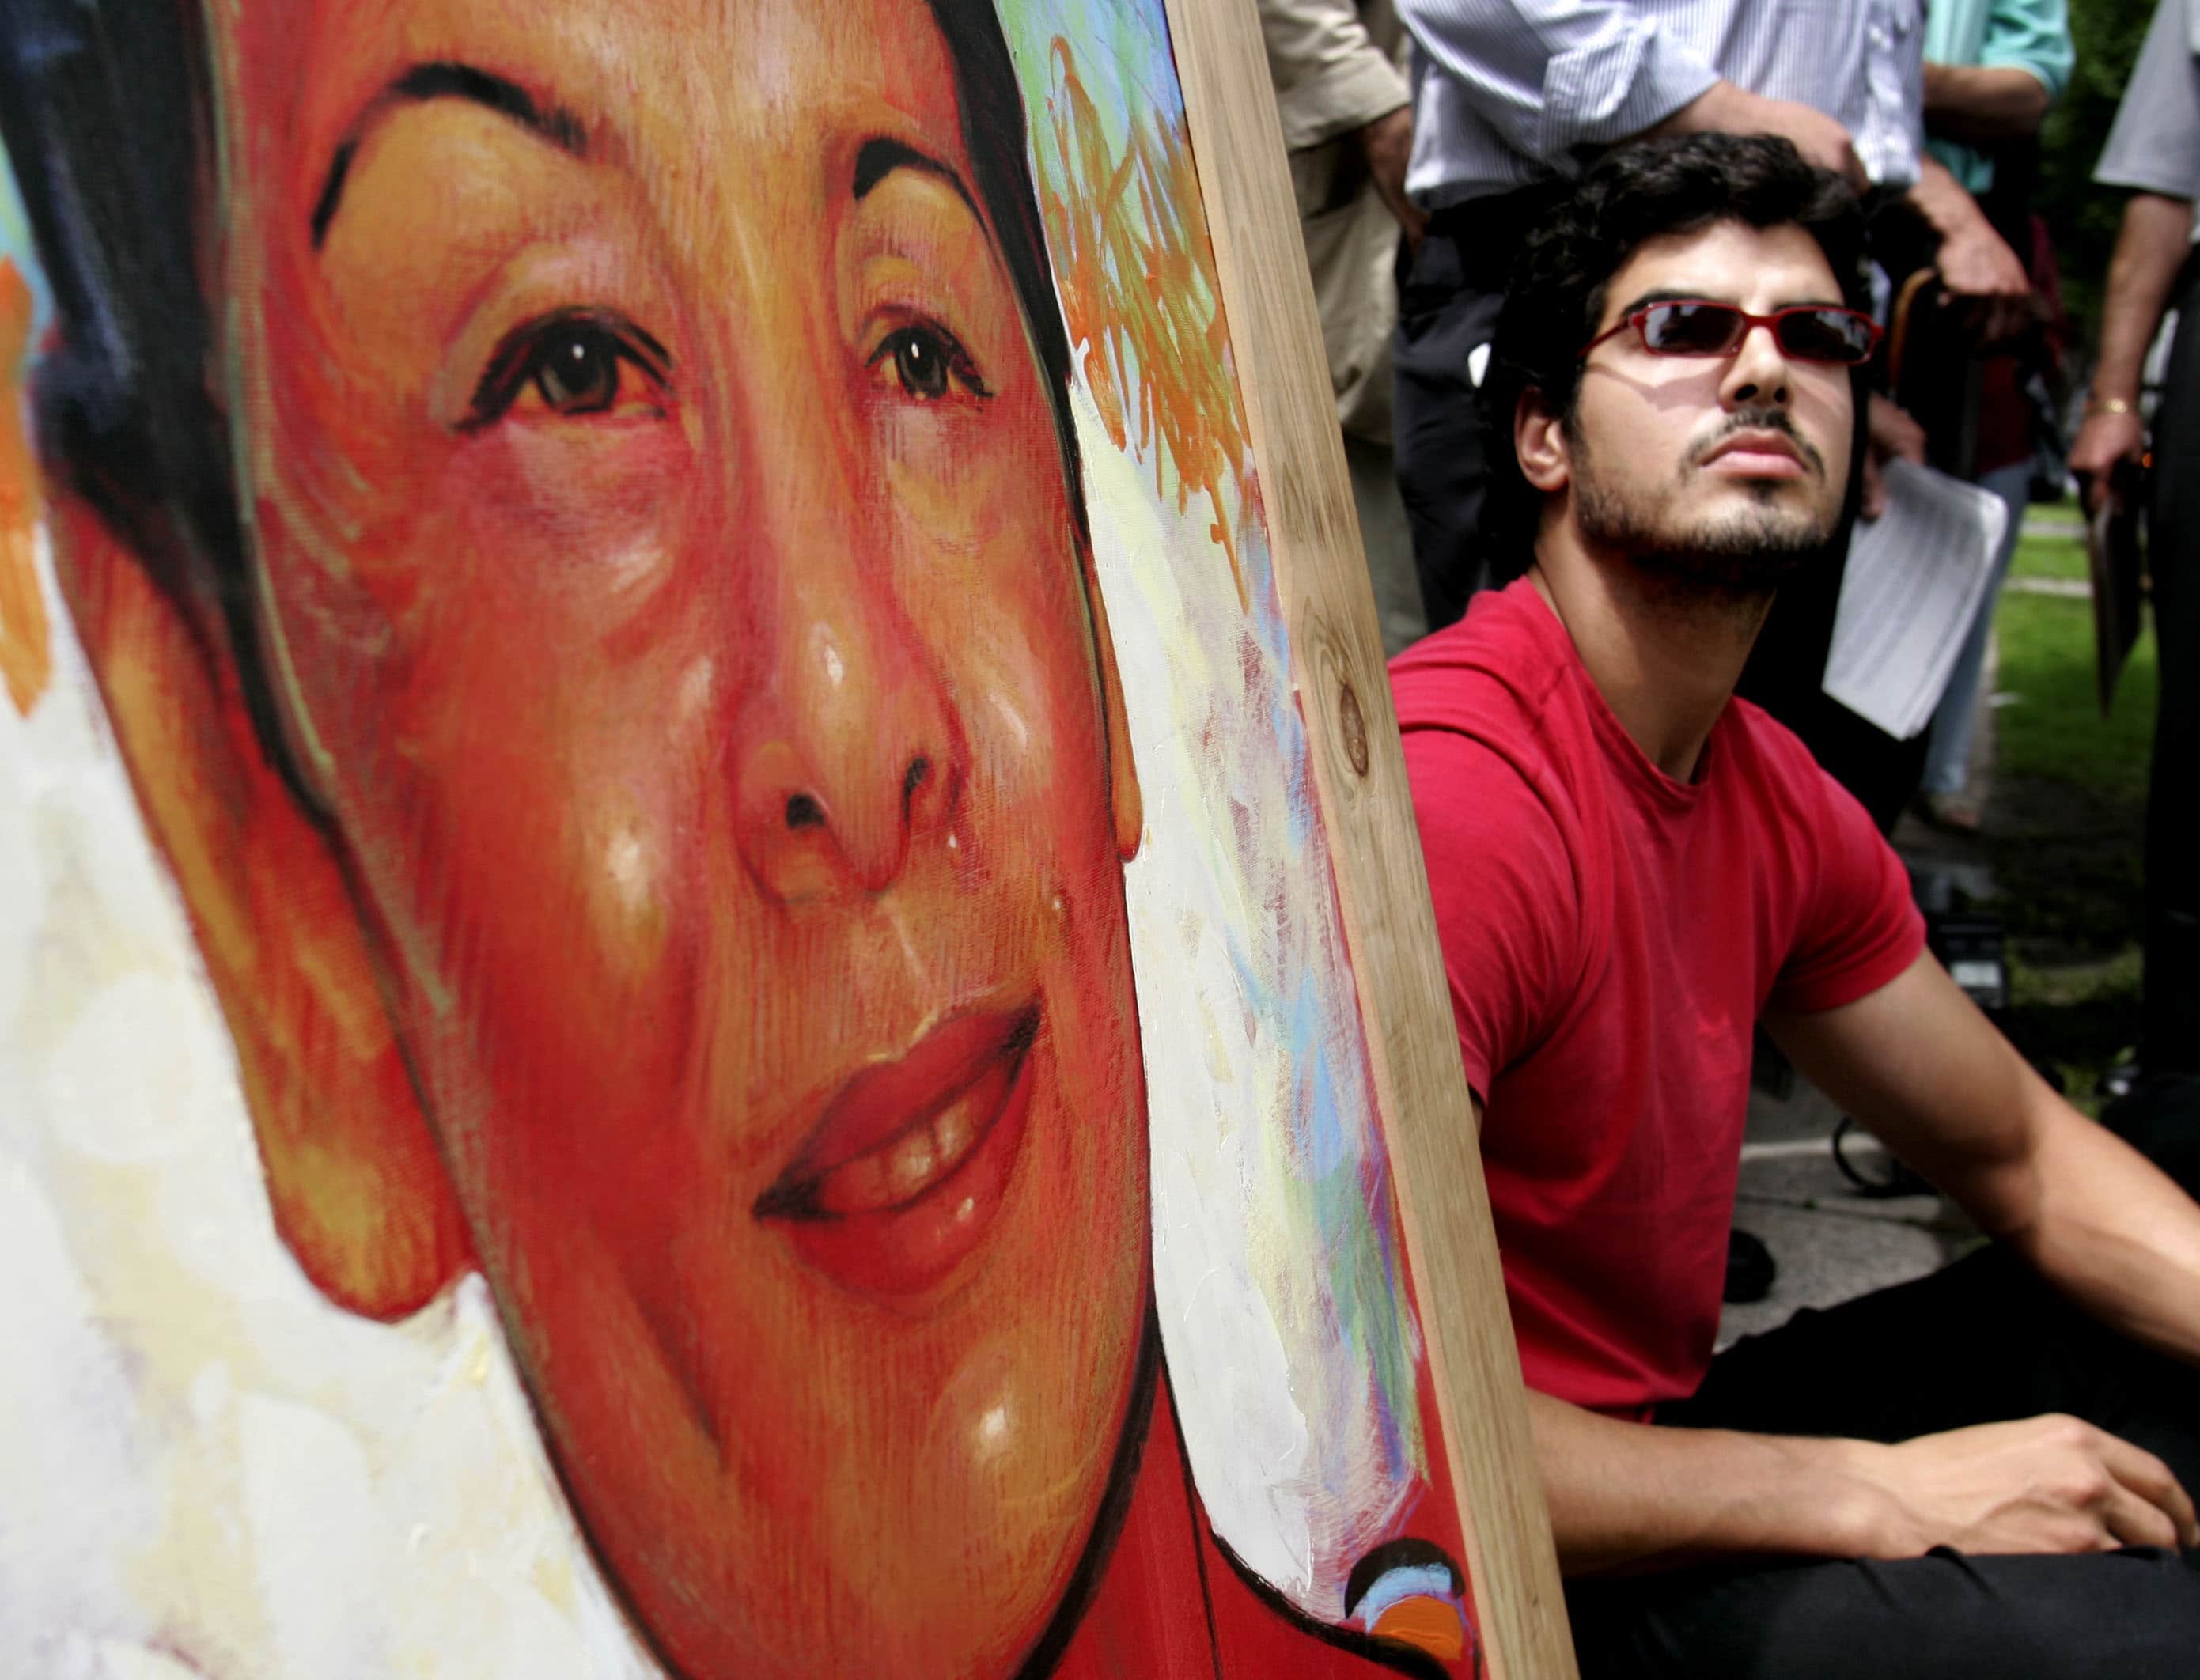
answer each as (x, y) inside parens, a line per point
(669, 563)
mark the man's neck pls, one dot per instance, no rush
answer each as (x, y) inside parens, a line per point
(1666, 653)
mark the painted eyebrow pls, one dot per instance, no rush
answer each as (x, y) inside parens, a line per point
(880, 158)
(424, 82)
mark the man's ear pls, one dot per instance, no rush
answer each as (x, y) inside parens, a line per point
(359, 1194)
(1539, 440)
(1125, 803)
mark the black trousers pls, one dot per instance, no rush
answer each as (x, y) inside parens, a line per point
(1982, 1341)
(1448, 295)
(2169, 1029)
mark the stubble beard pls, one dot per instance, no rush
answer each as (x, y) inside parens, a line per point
(1747, 553)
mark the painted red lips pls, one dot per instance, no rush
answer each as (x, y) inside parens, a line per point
(906, 1165)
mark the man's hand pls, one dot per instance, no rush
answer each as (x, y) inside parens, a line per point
(1725, 109)
(1890, 434)
(2151, 248)
(1976, 265)
(1983, 104)
(2104, 444)
(2043, 1484)
(1387, 143)
(1975, 262)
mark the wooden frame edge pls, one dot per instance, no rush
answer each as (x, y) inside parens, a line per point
(1382, 880)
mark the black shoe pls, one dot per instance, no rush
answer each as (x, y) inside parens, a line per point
(1749, 1269)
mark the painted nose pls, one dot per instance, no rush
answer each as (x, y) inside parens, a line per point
(850, 757)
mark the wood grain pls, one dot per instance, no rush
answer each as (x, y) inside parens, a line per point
(1381, 884)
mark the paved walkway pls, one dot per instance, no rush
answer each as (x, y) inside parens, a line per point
(1828, 1240)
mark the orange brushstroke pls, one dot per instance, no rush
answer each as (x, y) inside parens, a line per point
(27, 660)
(1136, 271)
(1429, 1625)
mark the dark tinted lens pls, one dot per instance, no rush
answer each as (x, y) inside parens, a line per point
(1825, 335)
(1690, 328)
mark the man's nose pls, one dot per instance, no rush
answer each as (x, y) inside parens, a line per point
(1759, 371)
(849, 752)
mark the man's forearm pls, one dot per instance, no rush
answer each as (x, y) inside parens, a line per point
(1628, 1497)
(2150, 249)
(1723, 108)
(1940, 198)
(2115, 1233)
(1975, 261)
(1916, 1063)
(1982, 104)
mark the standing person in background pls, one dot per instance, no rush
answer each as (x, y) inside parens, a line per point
(1347, 116)
(1992, 69)
(2154, 150)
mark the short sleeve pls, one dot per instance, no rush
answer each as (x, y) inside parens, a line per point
(1329, 75)
(2154, 143)
(2032, 35)
(1859, 927)
(1508, 897)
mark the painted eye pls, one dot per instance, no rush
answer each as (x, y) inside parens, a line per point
(928, 363)
(576, 369)
(573, 365)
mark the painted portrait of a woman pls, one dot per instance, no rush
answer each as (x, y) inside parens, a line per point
(574, 516)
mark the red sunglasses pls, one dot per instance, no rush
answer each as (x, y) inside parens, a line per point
(1699, 327)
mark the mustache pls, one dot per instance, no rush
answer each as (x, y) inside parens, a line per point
(1760, 419)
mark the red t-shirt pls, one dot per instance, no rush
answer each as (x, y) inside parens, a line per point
(1610, 936)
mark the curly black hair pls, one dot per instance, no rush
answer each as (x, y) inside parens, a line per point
(1554, 296)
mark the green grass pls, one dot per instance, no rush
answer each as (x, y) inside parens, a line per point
(2042, 556)
(2051, 543)
(2064, 830)
(2052, 726)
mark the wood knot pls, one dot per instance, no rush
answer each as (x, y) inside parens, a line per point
(1354, 724)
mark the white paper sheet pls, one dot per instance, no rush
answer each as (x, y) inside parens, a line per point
(1916, 574)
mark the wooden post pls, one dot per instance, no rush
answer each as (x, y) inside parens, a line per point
(1381, 883)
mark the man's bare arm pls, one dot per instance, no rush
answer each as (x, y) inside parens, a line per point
(1627, 1498)
(2150, 250)
(1982, 104)
(1974, 261)
(1724, 108)
(1917, 1062)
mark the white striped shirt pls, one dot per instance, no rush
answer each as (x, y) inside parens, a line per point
(1510, 91)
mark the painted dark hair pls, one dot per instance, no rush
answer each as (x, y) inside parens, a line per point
(1555, 296)
(105, 113)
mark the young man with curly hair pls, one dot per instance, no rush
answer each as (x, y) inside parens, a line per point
(1980, 1474)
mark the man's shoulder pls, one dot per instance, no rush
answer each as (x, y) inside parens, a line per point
(1496, 743)
(1493, 675)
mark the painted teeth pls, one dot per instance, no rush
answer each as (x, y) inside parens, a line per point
(899, 1171)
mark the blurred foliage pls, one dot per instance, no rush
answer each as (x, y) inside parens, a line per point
(2082, 218)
